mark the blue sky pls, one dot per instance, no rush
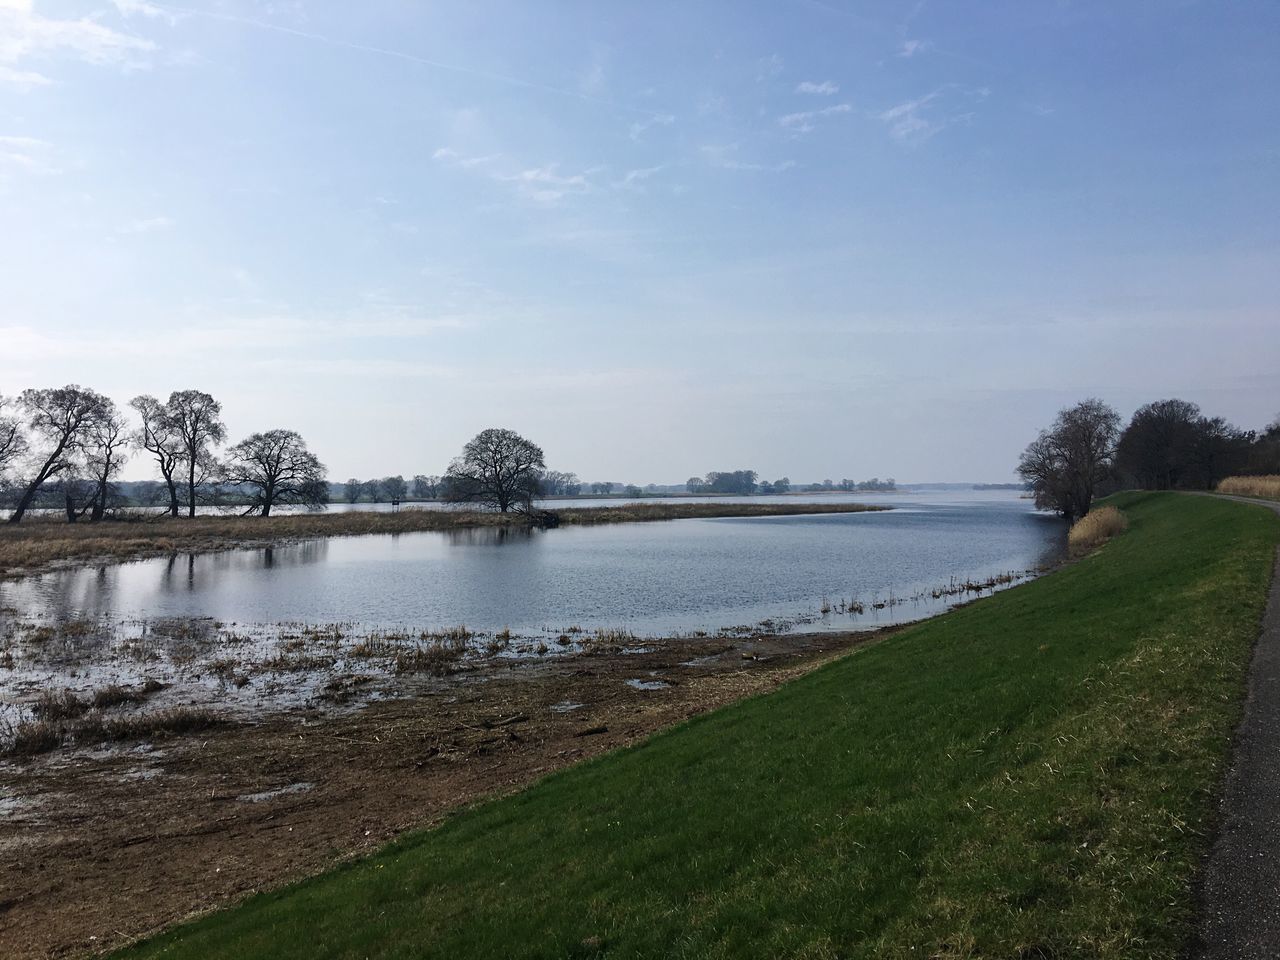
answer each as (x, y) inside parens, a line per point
(810, 237)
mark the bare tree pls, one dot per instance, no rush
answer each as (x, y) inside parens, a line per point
(106, 450)
(276, 468)
(499, 469)
(159, 436)
(13, 442)
(426, 487)
(196, 418)
(556, 483)
(352, 490)
(58, 419)
(393, 488)
(1065, 463)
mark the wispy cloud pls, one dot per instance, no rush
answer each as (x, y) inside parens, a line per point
(634, 178)
(910, 48)
(658, 119)
(449, 155)
(826, 88)
(806, 120)
(22, 79)
(146, 225)
(919, 119)
(546, 184)
(28, 154)
(129, 8)
(767, 67)
(25, 34)
(725, 157)
(391, 53)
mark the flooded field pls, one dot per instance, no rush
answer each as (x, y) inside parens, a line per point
(333, 623)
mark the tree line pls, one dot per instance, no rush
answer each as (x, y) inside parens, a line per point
(68, 445)
(73, 442)
(1166, 445)
(551, 483)
(736, 481)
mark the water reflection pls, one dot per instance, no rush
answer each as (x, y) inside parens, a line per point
(490, 536)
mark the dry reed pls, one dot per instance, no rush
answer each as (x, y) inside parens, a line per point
(1267, 486)
(1095, 528)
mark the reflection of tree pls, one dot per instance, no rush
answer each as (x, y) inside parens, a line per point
(489, 536)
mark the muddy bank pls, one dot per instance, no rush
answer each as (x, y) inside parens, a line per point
(98, 846)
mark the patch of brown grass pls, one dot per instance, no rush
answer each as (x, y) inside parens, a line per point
(438, 658)
(54, 706)
(1095, 528)
(32, 737)
(1266, 486)
(142, 726)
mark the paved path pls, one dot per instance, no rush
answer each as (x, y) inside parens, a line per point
(1240, 893)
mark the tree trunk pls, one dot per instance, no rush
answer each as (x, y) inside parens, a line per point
(173, 495)
(25, 502)
(71, 509)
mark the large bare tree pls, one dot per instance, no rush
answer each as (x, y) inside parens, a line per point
(1065, 464)
(197, 419)
(499, 469)
(160, 437)
(276, 468)
(106, 450)
(58, 421)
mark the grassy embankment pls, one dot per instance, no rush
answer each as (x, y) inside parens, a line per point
(1265, 487)
(1031, 776)
(37, 543)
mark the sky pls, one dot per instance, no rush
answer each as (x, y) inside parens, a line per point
(809, 237)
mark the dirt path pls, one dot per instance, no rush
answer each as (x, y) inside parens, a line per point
(1240, 888)
(97, 848)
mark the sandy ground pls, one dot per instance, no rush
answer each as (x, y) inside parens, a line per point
(100, 847)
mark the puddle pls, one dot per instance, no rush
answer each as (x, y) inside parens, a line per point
(266, 795)
(701, 661)
(648, 684)
(565, 706)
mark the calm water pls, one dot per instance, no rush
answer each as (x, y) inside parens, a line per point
(652, 578)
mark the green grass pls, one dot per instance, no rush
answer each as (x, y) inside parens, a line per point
(1031, 776)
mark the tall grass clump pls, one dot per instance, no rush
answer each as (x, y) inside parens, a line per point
(1268, 487)
(1095, 528)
